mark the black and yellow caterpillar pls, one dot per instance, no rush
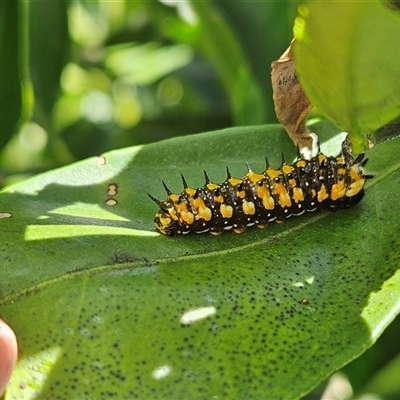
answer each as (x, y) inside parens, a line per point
(323, 182)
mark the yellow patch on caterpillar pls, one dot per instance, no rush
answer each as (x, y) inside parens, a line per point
(171, 213)
(355, 187)
(355, 173)
(248, 207)
(181, 206)
(212, 186)
(226, 211)
(241, 194)
(341, 172)
(340, 160)
(203, 213)
(268, 202)
(254, 178)
(234, 181)
(284, 198)
(163, 221)
(357, 182)
(174, 198)
(263, 192)
(273, 173)
(298, 195)
(301, 163)
(287, 169)
(197, 203)
(322, 194)
(190, 192)
(292, 183)
(187, 217)
(338, 190)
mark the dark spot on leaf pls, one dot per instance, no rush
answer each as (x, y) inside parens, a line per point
(124, 258)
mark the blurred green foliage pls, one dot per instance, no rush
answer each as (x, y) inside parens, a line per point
(83, 77)
(346, 65)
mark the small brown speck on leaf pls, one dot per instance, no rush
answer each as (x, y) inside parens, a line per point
(112, 189)
(111, 202)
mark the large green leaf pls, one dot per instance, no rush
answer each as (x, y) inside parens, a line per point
(347, 60)
(49, 47)
(265, 30)
(12, 72)
(98, 298)
(218, 42)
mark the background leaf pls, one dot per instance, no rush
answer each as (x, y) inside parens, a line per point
(219, 44)
(10, 73)
(97, 297)
(49, 31)
(270, 34)
(49, 46)
(191, 68)
(347, 63)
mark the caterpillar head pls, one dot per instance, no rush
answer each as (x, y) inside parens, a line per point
(357, 177)
(166, 220)
(165, 223)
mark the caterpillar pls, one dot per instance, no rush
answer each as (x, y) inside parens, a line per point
(324, 182)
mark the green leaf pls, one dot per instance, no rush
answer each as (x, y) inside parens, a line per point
(346, 57)
(100, 301)
(10, 47)
(49, 48)
(385, 383)
(219, 44)
(375, 362)
(147, 63)
(270, 21)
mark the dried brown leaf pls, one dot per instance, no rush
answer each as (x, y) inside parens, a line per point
(291, 103)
